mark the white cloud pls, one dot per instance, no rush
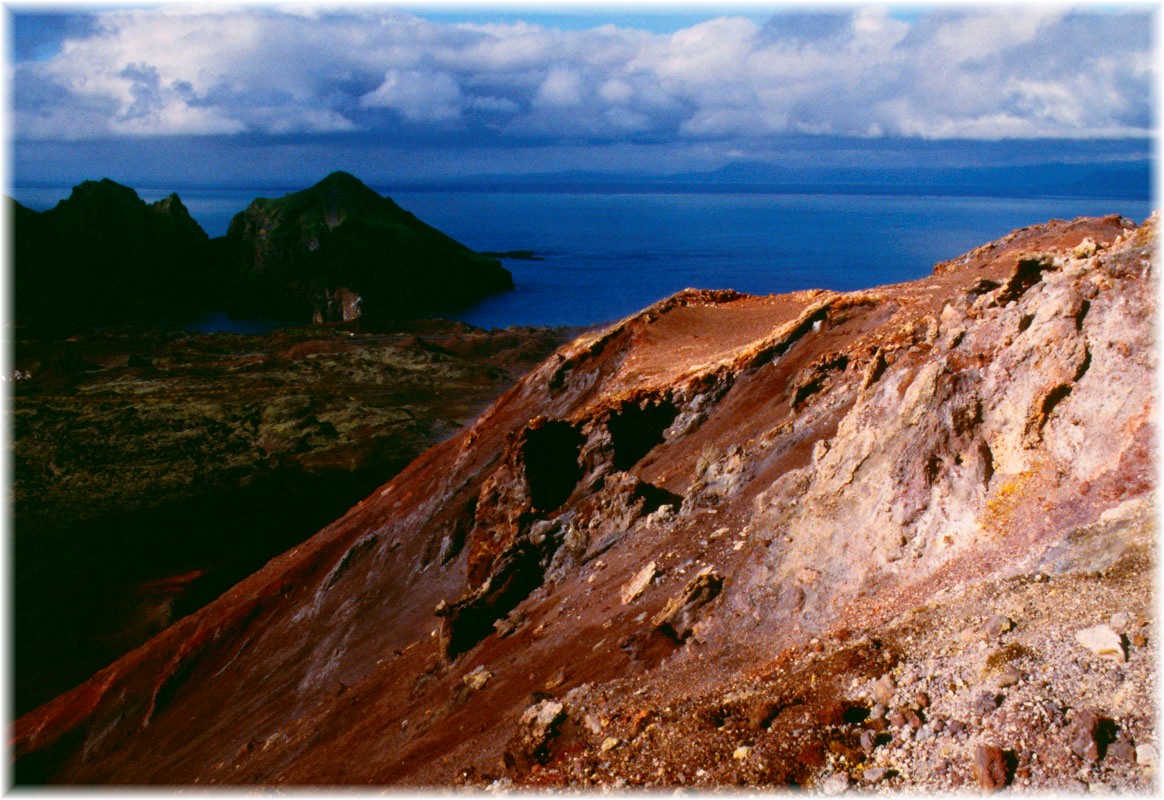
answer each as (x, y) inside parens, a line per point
(1022, 71)
(419, 96)
(562, 87)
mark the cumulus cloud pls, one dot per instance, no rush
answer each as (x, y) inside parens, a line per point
(997, 73)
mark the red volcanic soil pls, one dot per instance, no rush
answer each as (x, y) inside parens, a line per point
(817, 540)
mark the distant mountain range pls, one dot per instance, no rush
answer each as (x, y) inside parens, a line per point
(1121, 179)
(336, 251)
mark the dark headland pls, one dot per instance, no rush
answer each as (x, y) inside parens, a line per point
(337, 251)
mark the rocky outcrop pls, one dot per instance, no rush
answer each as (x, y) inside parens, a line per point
(873, 524)
(338, 251)
(104, 255)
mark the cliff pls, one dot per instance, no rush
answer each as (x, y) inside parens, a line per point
(338, 250)
(900, 537)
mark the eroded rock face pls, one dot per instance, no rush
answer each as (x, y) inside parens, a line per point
(839, 495)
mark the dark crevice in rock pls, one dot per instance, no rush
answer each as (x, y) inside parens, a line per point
(516, 574)
(1053, 398)
(552, 469)
(1028, 271)
(654, 497)
(982, 286)
(635, 430)
(817, 378)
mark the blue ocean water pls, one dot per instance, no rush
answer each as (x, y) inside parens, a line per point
(608, 255)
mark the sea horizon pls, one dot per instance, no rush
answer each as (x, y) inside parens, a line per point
(603, 254)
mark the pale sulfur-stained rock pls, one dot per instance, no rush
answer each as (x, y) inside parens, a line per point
(638, 584)
(1102, 641)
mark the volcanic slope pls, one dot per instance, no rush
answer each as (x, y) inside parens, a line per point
(901, 537)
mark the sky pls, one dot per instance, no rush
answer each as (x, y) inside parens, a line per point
(252, 94)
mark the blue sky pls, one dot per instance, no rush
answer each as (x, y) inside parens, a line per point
(254, 94)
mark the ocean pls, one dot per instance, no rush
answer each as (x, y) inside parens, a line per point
(604, 256)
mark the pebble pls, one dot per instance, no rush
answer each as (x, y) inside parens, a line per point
(986, 703)
(477, 678)
(741, 752)
(996, 626)
(835, 784)
(608, 744)
(874, 774)
(1008, 676)
(1145, 755)
(877, 712)
(989, 767)
(1103, 641)
(883, 690)
(1120, 751)
(1083, 741)
(868, 741)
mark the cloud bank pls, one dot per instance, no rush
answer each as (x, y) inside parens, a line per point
(1026, 72)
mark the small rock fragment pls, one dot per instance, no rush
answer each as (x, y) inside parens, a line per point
(836, 783)
(811, 755)
(1103, 641)
(852, 755)
(638, 584)
(1085, 736)
(1085, 249)
(883, 690)
(1120, 621)
(741, 752)
(538, 725)
(873, 774)
(807, 575)
(1145, 755)
(868, 741)
(477, 678)
(986, 703)
(608, 744)
(996, 626)
(1120, 751)
(761, 714)
(989, 767)
(678, 617)
(1008, 676)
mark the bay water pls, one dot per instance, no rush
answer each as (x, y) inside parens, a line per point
(606, 255)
